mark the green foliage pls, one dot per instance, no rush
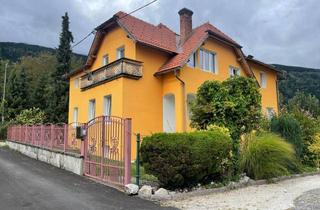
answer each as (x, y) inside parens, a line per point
(289, 128)
(3, 130)
(59, 89)
(314, 148)
(298, 79)
(30, 117)
(185, 159)
(266, 155)
(302, 102)
(234, 103)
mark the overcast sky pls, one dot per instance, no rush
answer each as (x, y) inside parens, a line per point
(285, 32)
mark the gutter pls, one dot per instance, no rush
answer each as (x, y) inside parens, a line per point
(183, 86)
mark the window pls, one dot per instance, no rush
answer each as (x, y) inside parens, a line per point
(76, 83)
(120, 52)
(92, 107)
(207, 61)
(193, 60)
(234, 71)
(263, 81)
(75, 115)
(105, 60)
(190, 98)
(107, 105)
(270, 113)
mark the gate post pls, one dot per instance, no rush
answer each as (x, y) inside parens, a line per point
(127, 151)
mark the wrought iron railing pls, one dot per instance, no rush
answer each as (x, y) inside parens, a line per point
(60, 137)
(122, 67)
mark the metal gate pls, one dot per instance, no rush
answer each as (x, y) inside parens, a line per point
(107, 150)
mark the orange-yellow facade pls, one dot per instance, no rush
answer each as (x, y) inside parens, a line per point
(142, 99)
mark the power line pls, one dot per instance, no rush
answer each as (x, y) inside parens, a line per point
(93, 31)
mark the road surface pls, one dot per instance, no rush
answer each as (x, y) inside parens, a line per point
(26, 183)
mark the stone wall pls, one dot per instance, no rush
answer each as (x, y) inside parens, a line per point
(66, 161)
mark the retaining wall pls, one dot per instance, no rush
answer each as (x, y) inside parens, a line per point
(66, 161)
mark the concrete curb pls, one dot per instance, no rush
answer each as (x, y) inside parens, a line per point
(234, 186)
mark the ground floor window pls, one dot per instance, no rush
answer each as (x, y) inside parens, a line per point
(270, 113)
(107, 105)
(92, 109)
(75, 115)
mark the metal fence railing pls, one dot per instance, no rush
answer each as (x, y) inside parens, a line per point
(61, 137)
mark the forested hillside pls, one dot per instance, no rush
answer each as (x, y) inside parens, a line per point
(298, 79)
(29, 76)
(14, 51)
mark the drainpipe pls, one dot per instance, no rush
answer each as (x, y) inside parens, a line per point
(183, 85)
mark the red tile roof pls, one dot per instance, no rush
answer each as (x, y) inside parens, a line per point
(196, 38)
(159, 36)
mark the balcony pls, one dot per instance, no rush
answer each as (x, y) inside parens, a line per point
(123, 67)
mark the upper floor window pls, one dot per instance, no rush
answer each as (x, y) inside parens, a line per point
(105, 60)
(207, 61)
(120, 52)
(92, 109)
(234, 71)
(107, 105)
(263, 81)
(76, 83)
(193, 60)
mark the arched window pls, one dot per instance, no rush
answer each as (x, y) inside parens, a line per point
(169, 113)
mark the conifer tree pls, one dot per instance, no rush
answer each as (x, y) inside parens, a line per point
(57, 110)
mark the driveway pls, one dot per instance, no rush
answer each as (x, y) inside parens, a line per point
(30, 184)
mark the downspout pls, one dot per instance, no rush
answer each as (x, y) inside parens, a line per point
(183, 85)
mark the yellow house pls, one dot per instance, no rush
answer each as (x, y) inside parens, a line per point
(149, 73)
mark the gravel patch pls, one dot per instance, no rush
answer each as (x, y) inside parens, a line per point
(280, 195)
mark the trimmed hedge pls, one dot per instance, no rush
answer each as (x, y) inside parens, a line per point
(186, 159)
(267, 155)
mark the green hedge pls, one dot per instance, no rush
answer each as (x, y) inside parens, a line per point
(186, 159)
(267, 155)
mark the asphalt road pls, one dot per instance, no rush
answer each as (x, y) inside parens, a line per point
(30, 184)
(309, 200)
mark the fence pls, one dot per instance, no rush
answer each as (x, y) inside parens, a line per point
(61, 137)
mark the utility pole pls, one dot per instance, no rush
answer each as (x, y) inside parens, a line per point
(4, 91)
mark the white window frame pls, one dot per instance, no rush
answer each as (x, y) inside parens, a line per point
(105, 59)
(91, 109)
(263, 79)
(204, 61)
(119, 52)
(107, 100)
(76, 83)
(232, 70)
(192, 62)
(75, 115)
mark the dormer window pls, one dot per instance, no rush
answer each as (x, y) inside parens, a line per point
(193, 60)
(120, 52)
(234, 71)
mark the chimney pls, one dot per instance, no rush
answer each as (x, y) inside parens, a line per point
(185, 24)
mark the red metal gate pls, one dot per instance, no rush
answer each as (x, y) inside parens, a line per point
(107, 150)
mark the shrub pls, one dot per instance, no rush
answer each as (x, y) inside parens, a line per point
(185, 159)
(314, 148)
(30, 116)
(267, 155)
(289, 128)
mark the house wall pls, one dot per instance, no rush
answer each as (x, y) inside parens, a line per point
(142, 99)
(111, 42)
(269, 97)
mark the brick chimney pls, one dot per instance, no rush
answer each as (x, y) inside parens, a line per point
(185, 23)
